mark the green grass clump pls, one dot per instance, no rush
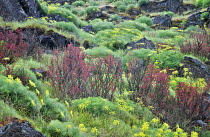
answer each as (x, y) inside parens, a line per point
(62, 129)
(91, 9)
(169, 13)
(202, 3)
(99, 51)
(98, 26)
(141, 2)
(122, 8)
(67, 14)
(166, 34)
(145, 19)
(14, 92)
(78, 3)
(52, 110)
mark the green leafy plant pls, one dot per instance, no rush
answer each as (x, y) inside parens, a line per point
(122, 8)
(141, 2)
(91, 9)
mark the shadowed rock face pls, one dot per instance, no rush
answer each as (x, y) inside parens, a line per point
(142, 43)
(16, 129)
(196, 67)
(175, 6)
(194, 20)
(18, 10)
(163, 21)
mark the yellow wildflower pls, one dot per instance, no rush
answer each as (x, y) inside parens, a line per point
(10, 77)
(155, 120)
(94, 131)
(9, 81)
(194, 134)
(116, 122)
(18, 80)
(145, 126)
(32, 83)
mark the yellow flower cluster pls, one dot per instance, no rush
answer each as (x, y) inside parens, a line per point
(116, 122)
(82, 128)
(94, 131)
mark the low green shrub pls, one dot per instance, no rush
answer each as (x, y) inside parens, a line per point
(78, 3)
(141, 2)
(136, 54)
(98, 26)
(67, 6)
(170, 59)
(114, 17)
(62, 129)
(202, 3)
(122, 8)
(145, 19)
(94, 3)
(142, 27)
(118, 3)
(68, 26)
(130, 6)
(117, 38)
(99, 51)
(91, 9)
(191, 29)
(205, 15)
(130, 2)
(52, 109)
(67, 14)
(12, 91)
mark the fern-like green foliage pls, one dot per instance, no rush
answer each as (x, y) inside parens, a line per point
(52, 109)
(14, 92)
(170, 59)
(202, 3)
(62, 129)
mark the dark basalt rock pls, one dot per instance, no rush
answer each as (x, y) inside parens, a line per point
(194, 20)
(88, 28)
(57, 18)
(142, 43)
(16, 129)
(134, 12)
(97, 14)
(163, 21)
(62, 2)
(175, 6)
(196, 67)
(125, 18)
(19, 10)
(38, 72)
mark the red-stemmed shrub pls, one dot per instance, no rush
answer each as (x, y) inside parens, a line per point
(69, 73)
(198, 47)
(106, 76)
(12, 46)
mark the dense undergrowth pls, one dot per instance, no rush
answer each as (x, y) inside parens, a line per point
(108, 90)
